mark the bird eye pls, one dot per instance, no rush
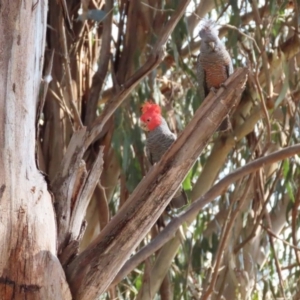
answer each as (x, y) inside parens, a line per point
(148, 120)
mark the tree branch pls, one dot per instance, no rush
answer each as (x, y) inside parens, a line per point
(70, 99)
(120, 237)
(153, 61)
(64, 184)
(223, 146)
(71, 166)
(104, 58)
(169, 232)
(228, 227)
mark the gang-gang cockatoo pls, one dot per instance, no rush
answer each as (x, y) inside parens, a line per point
(214, 64)
(159, 139)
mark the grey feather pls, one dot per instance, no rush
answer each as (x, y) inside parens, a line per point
(158, 142)
(214, 61)
(214, 64)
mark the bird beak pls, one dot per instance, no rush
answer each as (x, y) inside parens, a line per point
(143, 126)
(212, 45)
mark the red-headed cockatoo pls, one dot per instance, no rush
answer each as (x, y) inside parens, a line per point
(158, 141)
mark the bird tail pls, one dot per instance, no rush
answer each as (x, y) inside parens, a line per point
(180, 199)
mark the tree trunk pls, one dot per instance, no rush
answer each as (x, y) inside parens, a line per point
(29, 268)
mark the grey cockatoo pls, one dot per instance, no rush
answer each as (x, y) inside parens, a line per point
(159, 139)
(214, 63)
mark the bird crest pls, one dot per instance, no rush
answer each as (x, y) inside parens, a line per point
(208, 27)
(151, 107)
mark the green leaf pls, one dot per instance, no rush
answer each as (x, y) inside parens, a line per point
(290, 191)
(138, 282)
(286, 168)
(285, 86)
(187, 184)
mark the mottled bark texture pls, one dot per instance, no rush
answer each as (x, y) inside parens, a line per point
(29, 268)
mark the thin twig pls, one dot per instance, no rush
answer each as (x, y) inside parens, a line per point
(277, 264)
(262, 47)
(104, 58)
(295, 211)
(245, 35)
(261, 215)
(156, 9)
(77, 119)
(153, 61)
(289, 267)
(262, 100)
(279, 238)
(223, 11)
(296, 15)
(61, 103)
(232, 215)
(65, 12)
(169, 232)
(44, 87)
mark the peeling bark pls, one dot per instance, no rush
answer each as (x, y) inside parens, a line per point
(29, 268)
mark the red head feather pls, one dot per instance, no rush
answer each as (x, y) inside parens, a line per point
(151, 107)
(151, 116)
